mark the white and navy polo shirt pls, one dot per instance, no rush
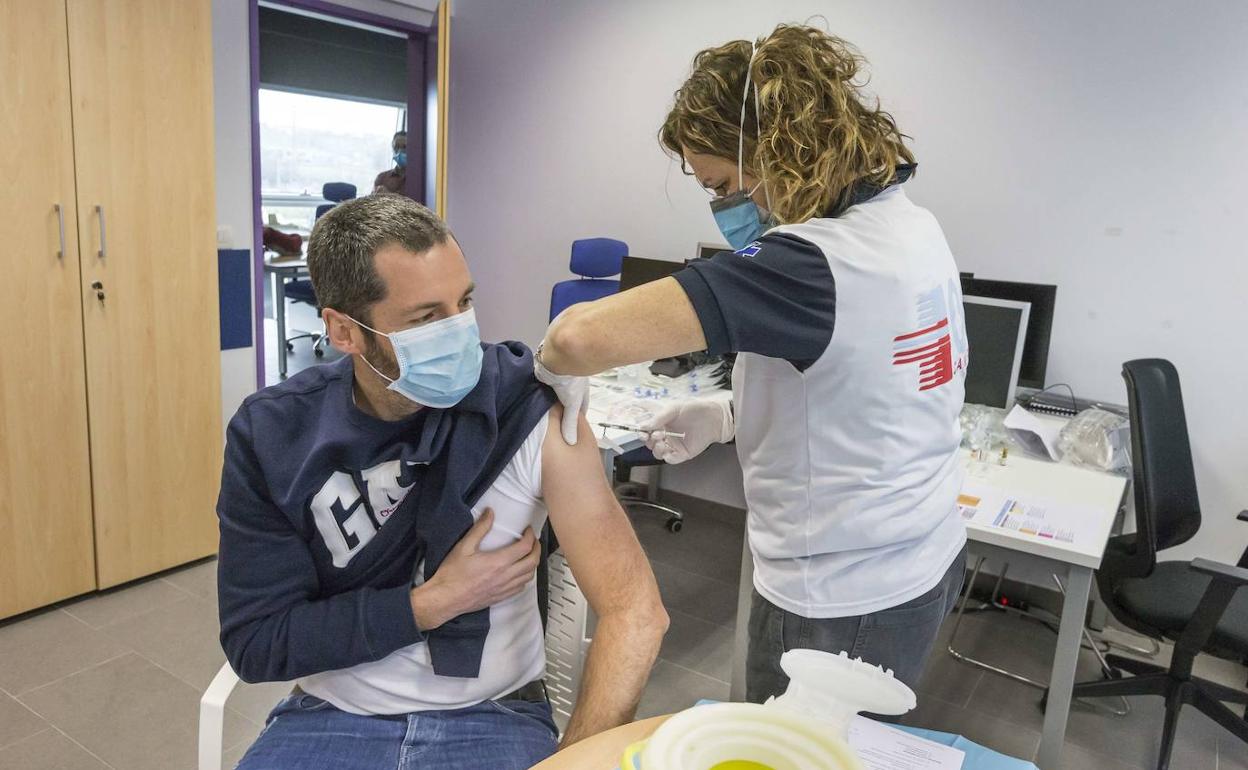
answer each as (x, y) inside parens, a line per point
(847, 392)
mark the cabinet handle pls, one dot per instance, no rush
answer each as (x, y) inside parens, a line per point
(60, 223)
(103, 247)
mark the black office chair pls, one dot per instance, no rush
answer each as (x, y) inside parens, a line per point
(300, 289)
(1194, 603)
(630, 494)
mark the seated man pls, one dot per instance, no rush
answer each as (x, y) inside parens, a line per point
(350, 560)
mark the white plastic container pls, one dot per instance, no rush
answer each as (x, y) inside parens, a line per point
(806, 728)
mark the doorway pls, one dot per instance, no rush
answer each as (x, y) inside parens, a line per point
(337, 93)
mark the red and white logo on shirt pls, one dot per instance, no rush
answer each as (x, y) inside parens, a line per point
(938, 347)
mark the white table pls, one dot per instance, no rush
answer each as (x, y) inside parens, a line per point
(1103, 494)
(1021, 477)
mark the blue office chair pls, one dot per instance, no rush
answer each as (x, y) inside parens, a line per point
(337, 191)
(300, 290)
(596, 260)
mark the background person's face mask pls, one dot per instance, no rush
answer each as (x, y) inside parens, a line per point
(737, 215)
(439, 363)
(400, 159)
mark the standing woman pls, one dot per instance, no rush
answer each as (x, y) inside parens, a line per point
(843, 302)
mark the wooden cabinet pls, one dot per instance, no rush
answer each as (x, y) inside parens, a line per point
(110, 409)
(46, 550)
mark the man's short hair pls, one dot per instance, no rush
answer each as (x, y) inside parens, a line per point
(346, 239)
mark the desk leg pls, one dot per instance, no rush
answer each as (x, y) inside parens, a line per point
(1062, 679)
(279, 312)
(741, 638)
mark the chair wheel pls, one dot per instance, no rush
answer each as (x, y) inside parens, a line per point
(675, 525)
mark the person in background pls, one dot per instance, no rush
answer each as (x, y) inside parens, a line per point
(394, 180)
(843, 300)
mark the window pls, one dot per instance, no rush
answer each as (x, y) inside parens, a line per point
(307, 140)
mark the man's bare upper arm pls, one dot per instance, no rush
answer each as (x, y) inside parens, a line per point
(595, 534)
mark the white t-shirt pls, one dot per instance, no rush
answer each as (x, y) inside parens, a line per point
(514, 653)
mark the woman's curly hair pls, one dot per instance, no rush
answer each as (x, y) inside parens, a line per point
(816, 138)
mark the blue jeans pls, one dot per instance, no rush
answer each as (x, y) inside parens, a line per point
(899, 637)
(306, 733)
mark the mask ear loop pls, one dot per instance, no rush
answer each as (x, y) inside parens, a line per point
(758, 131)
(745, 94)
(365, 358)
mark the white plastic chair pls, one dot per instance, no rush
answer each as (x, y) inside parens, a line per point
(566, 643)
(212, 718)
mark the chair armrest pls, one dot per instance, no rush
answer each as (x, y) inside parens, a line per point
(212, 718)
(1226, 581)
(1236, 576)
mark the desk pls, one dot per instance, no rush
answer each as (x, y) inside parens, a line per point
(1057, 483)
(283, 269)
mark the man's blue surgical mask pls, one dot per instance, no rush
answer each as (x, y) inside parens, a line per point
(400, 159)
(739, 218)
(439, 363)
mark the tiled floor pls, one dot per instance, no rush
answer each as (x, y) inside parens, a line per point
(113, 680)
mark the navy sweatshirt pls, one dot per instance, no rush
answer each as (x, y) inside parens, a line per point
(326, 512)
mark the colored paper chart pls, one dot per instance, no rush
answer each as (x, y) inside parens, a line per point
(1036, 517)
(1030, 520)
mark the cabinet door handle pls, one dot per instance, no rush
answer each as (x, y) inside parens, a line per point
(103, 246)
(60, 223)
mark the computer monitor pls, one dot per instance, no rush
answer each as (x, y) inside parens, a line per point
(638, 270)
(707, 250)
(1042, 298)
(995, 330)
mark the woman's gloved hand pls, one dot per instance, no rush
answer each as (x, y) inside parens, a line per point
(572, 391)
(703, 422)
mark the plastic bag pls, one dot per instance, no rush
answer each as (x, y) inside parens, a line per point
(982, 430)
(1096, 438)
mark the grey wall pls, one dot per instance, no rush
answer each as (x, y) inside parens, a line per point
(1097, 146)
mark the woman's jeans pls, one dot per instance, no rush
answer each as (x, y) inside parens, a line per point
(899, 637)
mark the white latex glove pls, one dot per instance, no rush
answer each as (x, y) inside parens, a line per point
(703, 421)
(573, 393)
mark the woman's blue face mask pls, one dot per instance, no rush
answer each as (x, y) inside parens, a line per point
(740, 219)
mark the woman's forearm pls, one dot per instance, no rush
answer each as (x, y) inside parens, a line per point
(652, 321)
